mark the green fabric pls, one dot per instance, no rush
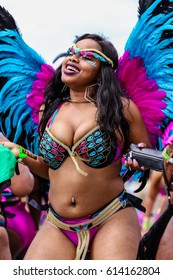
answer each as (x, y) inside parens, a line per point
(7, 164)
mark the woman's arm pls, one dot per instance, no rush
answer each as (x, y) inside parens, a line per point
(138, 131)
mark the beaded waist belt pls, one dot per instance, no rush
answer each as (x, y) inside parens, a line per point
(82, 229)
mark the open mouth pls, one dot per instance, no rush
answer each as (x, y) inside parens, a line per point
(71, 69)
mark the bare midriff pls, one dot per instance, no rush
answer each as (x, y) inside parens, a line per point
(73, 195)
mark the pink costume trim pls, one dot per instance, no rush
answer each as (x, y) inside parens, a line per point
(72, 235)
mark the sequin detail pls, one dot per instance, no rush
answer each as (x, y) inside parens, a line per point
(96, 149)
(53, 153)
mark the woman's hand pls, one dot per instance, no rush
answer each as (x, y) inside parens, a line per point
(12, 146)
(132, 164)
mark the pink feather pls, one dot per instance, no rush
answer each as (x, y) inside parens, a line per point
(168, 135)
(143, 92)
(36, 97)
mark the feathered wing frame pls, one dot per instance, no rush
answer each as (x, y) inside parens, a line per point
(145, 73)
(23, 76)
(146, 67)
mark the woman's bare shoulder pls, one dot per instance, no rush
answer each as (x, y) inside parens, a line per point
(130, 109)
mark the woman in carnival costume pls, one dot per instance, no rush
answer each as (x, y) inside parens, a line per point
(164, 251)
(81, 156)
(163, 228)
(85, 114)
(153, 199)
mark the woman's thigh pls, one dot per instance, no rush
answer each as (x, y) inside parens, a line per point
(118, 237)
(165, 249)
(50, 243)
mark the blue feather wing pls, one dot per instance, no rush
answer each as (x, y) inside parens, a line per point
(152, 41)
(20, 68)
(146, 68)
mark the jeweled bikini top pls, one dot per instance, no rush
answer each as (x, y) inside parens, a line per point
(96, 149)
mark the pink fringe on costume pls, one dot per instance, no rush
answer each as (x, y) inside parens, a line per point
(143, 92)
(36, 97)
(168, 135)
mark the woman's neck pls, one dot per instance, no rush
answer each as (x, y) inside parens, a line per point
(78, 100)
(77, 97)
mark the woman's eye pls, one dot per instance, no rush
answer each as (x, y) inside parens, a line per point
(86, 57)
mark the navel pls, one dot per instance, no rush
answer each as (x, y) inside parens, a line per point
(73, 201)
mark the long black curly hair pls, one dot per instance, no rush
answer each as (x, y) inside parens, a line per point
(108, 97)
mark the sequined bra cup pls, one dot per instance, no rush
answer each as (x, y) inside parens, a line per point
(95, 149)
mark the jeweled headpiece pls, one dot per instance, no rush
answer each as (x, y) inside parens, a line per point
(90, 52)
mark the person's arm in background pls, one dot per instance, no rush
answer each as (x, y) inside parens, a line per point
(5, 253)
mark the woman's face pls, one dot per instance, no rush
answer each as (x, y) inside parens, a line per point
(79, 71)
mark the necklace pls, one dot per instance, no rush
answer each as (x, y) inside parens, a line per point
(78, 101)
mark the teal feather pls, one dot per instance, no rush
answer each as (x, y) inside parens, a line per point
(149, 41)
(19, 64)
